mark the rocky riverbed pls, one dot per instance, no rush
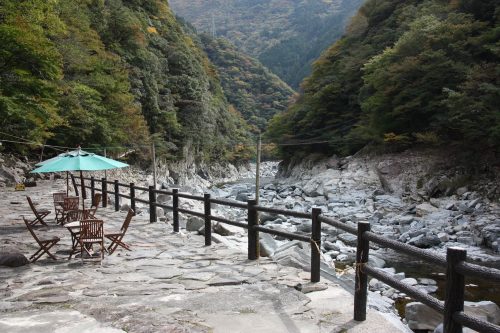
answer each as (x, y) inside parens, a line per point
(415, 198)
(403, 199)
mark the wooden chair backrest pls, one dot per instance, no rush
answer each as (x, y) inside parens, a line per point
(96, 200)
(30, 229)
(91, 229)
(59, 196)
(78, 215)
(32, 206)
(126, 223)
(71, 203)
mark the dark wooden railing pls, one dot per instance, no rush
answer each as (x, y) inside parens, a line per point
(457, 268)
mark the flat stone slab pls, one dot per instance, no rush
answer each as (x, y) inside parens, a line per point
(169, 282)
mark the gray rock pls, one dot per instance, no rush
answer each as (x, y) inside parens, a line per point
(461, 190)
(264, 217)
(404, 220)
(242, 197)
(163, 198)
(376, 261)
(226, 229)
(348, 239)
(267, 245)
(421, 317)
(425, 241)
(311, 287)
(443, 237)
(194, 223)
(410, 281)
(305, 226)
(124, 207)
(425, 209)
(330, 246)
(13, 259)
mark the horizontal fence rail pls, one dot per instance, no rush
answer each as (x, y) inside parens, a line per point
(456, 267)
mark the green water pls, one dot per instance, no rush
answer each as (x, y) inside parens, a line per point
(475, 289)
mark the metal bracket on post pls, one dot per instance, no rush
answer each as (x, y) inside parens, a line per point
(361, 278)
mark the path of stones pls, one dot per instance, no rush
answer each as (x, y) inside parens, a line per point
(168, 283)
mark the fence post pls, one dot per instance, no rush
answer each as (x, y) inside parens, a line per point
(104, 186)
(92, 187)
(315, 245)
(361, 278)
(117, 196)
(253, 235)
(455, 288)
(74, 185)
(175, 212)
(82, 185)
(132, 197)
(208, 221)
(152, 204)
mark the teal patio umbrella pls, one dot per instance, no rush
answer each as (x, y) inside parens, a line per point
(77, 160)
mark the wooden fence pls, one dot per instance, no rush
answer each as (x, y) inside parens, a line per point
(457, 268)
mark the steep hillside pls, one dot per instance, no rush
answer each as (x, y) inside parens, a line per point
(254, 91)
(107, 73)
(406, 73)
(285, 35)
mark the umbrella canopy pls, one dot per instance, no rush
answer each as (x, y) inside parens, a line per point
(50, 160)
(78, 160)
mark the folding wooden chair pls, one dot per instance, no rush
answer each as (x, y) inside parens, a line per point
(69, 204)
(58, 204)
(40, 214)
(72, 216)
(116, 238)
(45, 244)
(91, 232)
(96, 200)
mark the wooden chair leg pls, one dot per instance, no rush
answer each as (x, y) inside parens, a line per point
(45, 247)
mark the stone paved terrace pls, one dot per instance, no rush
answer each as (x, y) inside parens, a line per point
(168, 283)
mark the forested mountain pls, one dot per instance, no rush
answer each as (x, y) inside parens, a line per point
(406, 72)
(285, 35)
(114, 72)
(254, 91)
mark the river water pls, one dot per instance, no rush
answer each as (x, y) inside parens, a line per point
(475, 289)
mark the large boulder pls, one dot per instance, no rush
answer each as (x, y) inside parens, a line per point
(294, 254)
(314, 188)
(9, 176)
(194, 223)
(226, 229)
(421, 317)
(267, 245)
(425, 209)
(11, 258)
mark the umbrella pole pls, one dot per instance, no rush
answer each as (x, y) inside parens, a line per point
(84, 195)
(67, 183)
